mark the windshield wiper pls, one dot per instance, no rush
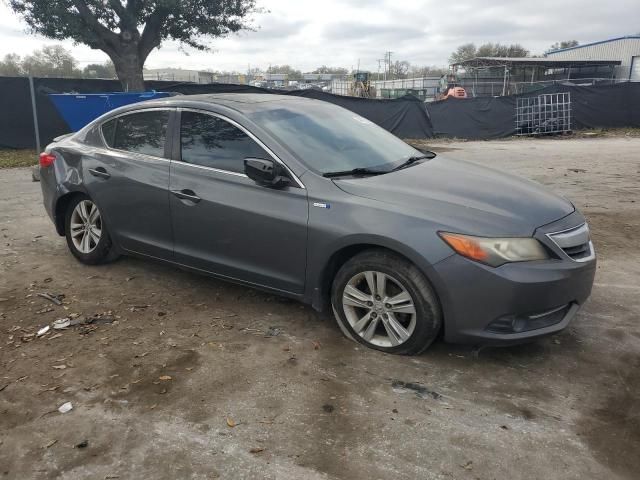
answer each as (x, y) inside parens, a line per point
(355, 171)
(412, 160)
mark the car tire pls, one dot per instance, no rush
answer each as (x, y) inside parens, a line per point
(411, 322)
(79, 228)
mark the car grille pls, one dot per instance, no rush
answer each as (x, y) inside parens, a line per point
(575, 243)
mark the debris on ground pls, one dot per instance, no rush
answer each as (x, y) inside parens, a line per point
(82, 444)
(468, 465)
(61, 323)
(231, 315)
(253, 331)
(231, 422)
(73, 320)
(65, 407)
(316, 345)
(328, 408)
(256, 450)
(577, 170)
(420, 391)
(137, 308)
(57, 299)
(273, 332)
(43, 330)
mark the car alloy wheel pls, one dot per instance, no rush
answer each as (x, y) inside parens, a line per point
(379, 309)
(86, 226)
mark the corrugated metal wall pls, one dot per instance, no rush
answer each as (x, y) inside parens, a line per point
(623, 49)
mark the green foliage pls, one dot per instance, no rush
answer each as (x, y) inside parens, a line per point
(99, 23)
(334, 70)
(17, 158)
(129, 30)
(11, 66)
(50, 61)
(463, 52)
(469, 50)
(53, 61)
(564, 44)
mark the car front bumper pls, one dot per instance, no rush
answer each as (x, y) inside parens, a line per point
(517, 301)
(539, 297)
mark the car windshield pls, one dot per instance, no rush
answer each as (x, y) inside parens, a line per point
(330, 139)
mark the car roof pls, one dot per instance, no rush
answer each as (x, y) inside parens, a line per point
(242, 102)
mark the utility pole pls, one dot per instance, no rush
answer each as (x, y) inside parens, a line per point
(380, 60)
(387, 64)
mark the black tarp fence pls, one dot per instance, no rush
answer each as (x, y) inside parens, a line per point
(476, 118)
(406, 119)
(606, 106)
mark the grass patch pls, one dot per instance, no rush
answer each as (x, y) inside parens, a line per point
(17, 158)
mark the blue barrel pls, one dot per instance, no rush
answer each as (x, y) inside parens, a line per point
(78, 110)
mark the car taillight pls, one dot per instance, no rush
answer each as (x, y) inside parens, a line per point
(46, 159)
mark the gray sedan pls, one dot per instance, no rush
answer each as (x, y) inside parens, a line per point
(311, 201)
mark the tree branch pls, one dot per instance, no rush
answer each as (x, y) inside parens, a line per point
(103, 33)
(127, 19)
(152, 33)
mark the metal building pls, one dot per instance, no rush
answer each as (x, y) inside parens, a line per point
(625, 49)
(496, 76)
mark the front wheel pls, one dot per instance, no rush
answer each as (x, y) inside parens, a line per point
(86, 233)
(383, 301)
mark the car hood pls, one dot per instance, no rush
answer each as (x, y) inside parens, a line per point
(464, 197)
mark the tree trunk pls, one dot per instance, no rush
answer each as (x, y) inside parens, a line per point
(129, 71)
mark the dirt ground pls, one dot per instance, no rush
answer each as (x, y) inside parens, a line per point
(202, 379)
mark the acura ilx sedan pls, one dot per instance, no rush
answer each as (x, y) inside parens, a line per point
(308, 200)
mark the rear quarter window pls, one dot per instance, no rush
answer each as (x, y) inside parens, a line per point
(143, 132)
(109, 132)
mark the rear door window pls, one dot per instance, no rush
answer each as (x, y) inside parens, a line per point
(213, 142)
(143, 132)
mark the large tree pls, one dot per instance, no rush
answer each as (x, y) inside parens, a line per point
(11, 66)
(463, 52)
(128, 30)
(398, 69)
(51, 61)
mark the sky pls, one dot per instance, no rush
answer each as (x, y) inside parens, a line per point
(307, 34)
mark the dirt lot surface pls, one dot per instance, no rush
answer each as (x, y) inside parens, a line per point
(201, 379)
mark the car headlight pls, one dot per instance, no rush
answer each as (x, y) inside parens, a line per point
(495, 251)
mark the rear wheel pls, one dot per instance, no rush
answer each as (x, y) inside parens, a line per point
(86, 233)
(384, 302)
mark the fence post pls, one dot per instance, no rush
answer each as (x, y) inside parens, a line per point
(36, 128)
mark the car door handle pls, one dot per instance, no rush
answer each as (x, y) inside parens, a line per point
(99, 172)
(186, 195)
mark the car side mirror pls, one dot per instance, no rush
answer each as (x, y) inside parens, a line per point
(266, 172)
